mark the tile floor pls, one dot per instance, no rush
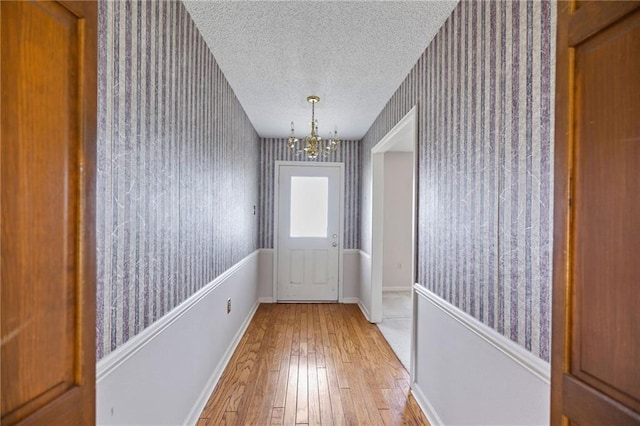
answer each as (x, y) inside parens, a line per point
(396, 323)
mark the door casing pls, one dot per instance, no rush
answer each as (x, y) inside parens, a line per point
(408, 126)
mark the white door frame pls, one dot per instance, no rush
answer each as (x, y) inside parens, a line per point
(407, 126)
(276, 220)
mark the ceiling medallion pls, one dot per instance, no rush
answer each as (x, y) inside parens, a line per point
(313, 145)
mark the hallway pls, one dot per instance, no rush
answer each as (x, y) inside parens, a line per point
(312, 364)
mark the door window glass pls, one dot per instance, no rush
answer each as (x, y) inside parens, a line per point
(309, 206)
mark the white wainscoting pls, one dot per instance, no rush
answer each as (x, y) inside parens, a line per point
(364, 290)
(351, 278)
(350, 283)
(165, 374)
(468, 374)
(265, 275)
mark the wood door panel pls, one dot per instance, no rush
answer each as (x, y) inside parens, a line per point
(606, 243)
(48, 198)
(592, 16)
(585, 405)
(39, 217)
(596, 338)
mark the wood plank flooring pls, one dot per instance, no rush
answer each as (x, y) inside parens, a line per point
(312, 364)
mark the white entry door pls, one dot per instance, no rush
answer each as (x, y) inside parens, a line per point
(309, 231)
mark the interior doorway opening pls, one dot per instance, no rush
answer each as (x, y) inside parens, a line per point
(393, 236)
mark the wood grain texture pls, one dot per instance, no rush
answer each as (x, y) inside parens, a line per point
(48, 211)
(562, 191)
(333, 367)
(596, 341)
(606, 271)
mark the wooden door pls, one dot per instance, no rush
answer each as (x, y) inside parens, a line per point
(309, 232)
(48, 200)
(596, 295)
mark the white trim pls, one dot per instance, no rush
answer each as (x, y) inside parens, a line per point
(387, 143)
(516, 352)
(426, 407)
(276, 194)
(126, 351)
(266, 250)
(266, 300)
(365, 254)
(414, 336)
(202, 400)
(350, 300)
(364, 310)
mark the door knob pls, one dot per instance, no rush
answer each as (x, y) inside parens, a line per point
(334, 244)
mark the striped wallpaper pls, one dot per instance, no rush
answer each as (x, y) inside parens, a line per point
(177, 168)
(484, 88)
(272, 150)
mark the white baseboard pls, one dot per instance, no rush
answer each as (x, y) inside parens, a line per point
(364, 310)
(355, 300)
(266, 300)
(425, 406)
(165, 374)
(462, 363)
(201, 402)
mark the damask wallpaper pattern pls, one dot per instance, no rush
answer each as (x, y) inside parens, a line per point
(484, 89)
(177, 168)
(275, 149)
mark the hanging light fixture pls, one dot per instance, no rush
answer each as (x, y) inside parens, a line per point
(313, 145)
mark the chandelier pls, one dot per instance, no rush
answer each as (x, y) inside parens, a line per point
(313, 145)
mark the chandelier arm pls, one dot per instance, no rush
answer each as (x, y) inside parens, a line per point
(313, 145)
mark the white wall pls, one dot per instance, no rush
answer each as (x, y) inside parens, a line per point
(468, 374)
(351, 276)
(398, 213)
(165, 374)
(265, 275)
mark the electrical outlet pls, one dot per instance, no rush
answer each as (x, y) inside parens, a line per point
(228, 305)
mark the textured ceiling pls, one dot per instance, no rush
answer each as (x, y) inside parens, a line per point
(354, 55)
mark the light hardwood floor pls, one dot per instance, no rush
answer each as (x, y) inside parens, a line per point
(312, 364)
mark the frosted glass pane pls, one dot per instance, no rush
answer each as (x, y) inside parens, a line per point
(309, 206)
